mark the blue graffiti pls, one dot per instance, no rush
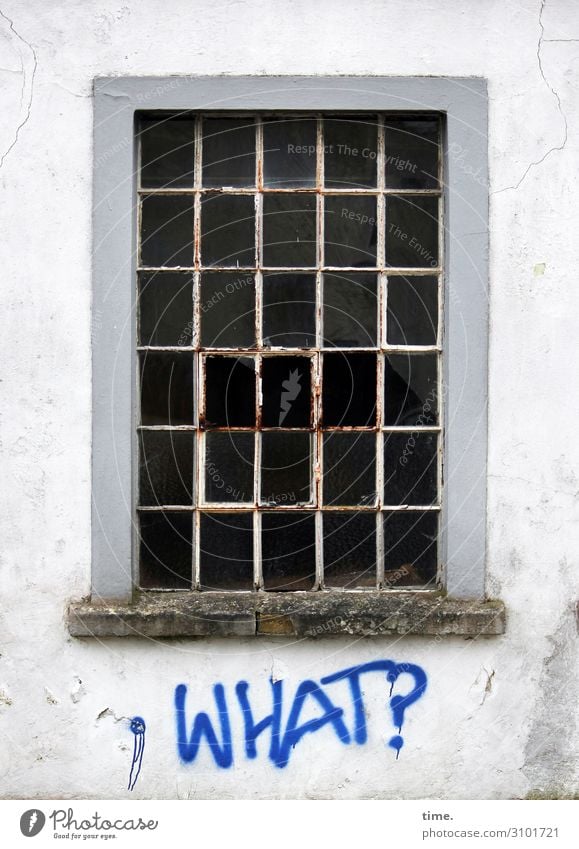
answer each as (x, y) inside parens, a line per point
(282, 742)
(138, 727)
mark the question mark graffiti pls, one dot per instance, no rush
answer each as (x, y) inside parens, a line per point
(138, 727)
(399, 704)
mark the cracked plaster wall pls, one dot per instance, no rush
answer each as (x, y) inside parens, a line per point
(500, 717)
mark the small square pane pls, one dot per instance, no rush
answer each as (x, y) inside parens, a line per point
(229, 461)
(167, 231)
(350, 152)
(166, 388)
(411, 153)
(350, 231)
(227, 310)
(350, 310)
(286, 468)
(289, 230)
(286, 392)
(289, 310)
(410, 390)
(288, 543)
(226, 551)
(165, 308)
(410, 548)
(410, 468)
(349, 390)
(412, 311)
(166, 460)
(229, 392)
(228, 152)
(228, 230)
(349, 465)
(167, 153)
(166, 550)
(412, 231)
(350, 550)
(289, 153)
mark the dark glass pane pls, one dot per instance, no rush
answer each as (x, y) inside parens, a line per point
(412, 153)
(228, 152)
(286, 391)
(166, 541)
(412, 310)
(410, 390)
(349, 390)
(410, 548)
(286, 468)
(289, 310)
(288, 551)
(167, 230)
(410, 468)
(350, 550)
(165, 308)
(289, 230)
(229, 467)
(166, 468)
(167, 153)
(226, 557)
(289, 153)
(349, 469)
(227, 310)
(229, 392)
(412, 232)
(350, 150)
(166, 384)
(228, 230)
(350, 310)
(350, 231)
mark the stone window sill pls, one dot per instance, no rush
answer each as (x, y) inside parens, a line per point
(245, 614)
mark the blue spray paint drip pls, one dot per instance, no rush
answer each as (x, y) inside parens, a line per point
(137, 726)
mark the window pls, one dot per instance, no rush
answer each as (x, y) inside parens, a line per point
(272, 351)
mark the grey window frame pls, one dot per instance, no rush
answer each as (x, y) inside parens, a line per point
(463, 103)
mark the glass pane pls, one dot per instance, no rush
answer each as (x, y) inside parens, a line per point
(226, 557)
(289, 153)
(167, 230)
(228, 152)
(288, 551)
(412, 153)
(349, 390)
(286, 468)
(350, 152)
(166, 468)
(412, 232)
(166, 541)
(350, 231)
(165, 308)
(167, 153)
(410, 468)
(286, 392)
(410, 548)
(410, 390)
(289, 310)
(412, 310)
(228, 230)
(229, 392)
(227, 310)
(350, 310)
(166, 386)
(350, 550)
(229, 467)
(349, 469)
(289, 230)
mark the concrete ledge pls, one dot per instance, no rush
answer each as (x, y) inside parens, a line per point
(321, 614)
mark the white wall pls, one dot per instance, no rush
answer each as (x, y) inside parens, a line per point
(499, 717)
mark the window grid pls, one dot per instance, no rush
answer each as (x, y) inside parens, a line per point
(258, 352)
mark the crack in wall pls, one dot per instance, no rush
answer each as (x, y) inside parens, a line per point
(23, 89)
